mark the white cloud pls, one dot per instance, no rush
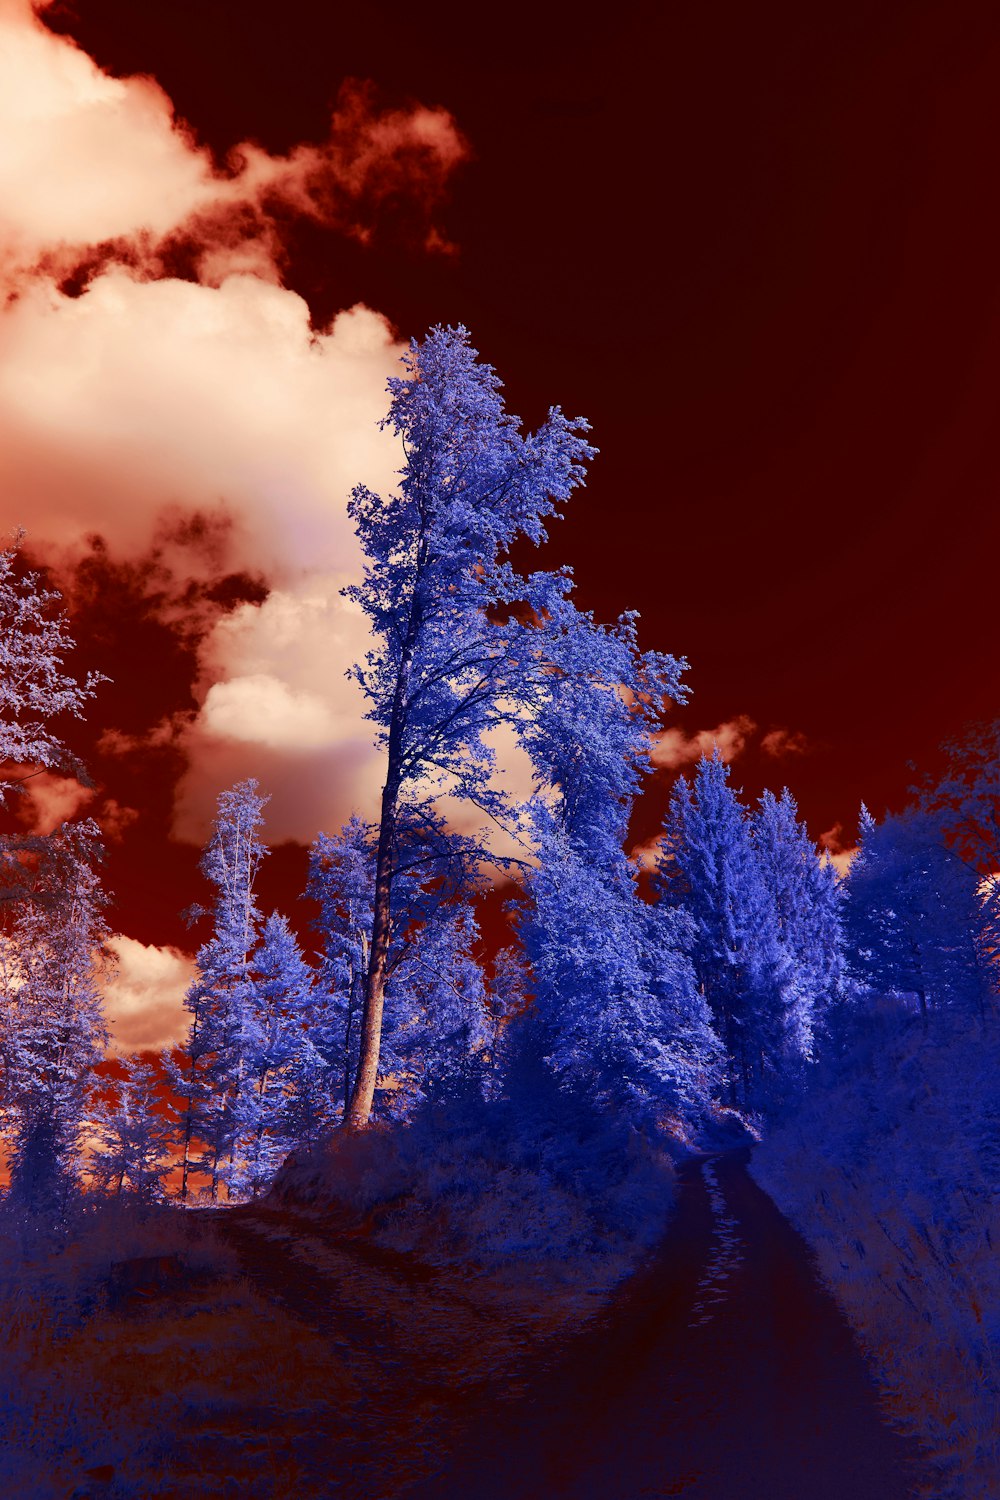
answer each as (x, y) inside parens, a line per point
(86, 159)
(262, 710)
(673, 748)
(277, 704)
(141, 397)
(148, 397)
(144, 1002)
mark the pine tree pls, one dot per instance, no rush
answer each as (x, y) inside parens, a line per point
(912, 914)
(135, 1133)
(221, 998)
(712, 869)
(54, 1028)
(620, 1015)
(965, 802)
(616, 1004)
(807, 899)
(278, 1061)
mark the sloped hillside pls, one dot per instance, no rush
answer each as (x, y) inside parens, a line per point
(890, 1166)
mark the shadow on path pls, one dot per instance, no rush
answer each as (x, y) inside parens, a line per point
(723, 1372)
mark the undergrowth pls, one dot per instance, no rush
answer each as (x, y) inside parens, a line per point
(891, 1168)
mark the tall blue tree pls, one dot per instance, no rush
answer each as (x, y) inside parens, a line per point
(616, 1003)
(458, 630)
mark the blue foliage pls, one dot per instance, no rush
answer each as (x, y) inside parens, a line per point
(435, 1012)
(614, 991)
(453, 658)
(767, 924)
(807, 898)
(52, 1028)
(913, 914)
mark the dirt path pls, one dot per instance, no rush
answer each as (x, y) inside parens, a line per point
(724, 1373)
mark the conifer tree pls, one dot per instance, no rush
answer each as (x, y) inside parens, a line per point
(965, 802)
(616, 1002)
(278, 1060)
(711, 868)
(807, 903)
(912, 914)
(135, 1132)
(221, 998)
(54, 1028)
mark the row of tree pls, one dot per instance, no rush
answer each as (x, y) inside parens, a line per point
(652, 993)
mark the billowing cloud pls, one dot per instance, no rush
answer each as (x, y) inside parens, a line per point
(134, 399)
(144, 1001)
(140, 398)
(674, 748)
(277, 704)
(144, 398)
(88, 160)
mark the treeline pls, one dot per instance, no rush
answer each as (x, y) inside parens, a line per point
(653, 994)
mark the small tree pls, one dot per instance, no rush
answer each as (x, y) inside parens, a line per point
(221, 998)
(135, 1133)
(277, 1059)
(341, 881)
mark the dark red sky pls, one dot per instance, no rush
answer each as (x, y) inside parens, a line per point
(759, 248)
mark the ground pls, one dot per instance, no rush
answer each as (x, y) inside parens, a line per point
(315, 1362)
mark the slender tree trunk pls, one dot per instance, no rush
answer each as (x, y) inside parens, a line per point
(358, 980)
(363, 1096)
(188, 1129)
